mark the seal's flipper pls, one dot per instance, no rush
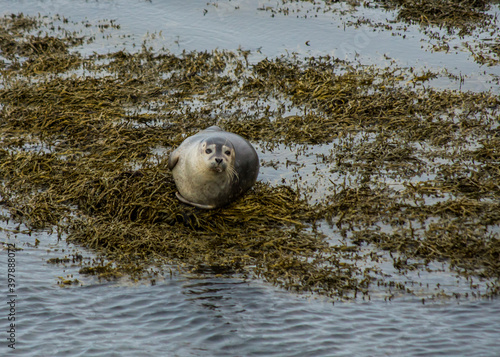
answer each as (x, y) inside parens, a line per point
(172, 159)
(182, 199)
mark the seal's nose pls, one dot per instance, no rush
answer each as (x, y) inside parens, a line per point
(218, 160)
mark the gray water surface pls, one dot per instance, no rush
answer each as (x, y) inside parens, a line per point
(180, 316)
(230, 318)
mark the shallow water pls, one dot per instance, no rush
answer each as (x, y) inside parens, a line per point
(186, 316)
(200, 25)
(180, 316)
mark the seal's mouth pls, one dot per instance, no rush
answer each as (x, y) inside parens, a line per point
(217, 169)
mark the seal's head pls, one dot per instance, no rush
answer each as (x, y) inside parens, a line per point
(218, 155)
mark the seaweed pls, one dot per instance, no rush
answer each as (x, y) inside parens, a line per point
(85, 155)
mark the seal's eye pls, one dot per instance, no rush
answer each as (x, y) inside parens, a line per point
(208, 151)
(227, 152)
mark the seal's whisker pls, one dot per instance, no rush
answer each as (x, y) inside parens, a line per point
(231, 172)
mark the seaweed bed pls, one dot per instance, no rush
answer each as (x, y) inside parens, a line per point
(84, 143)
(464, 15)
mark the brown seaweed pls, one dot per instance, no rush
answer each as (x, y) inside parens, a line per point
(86, 157)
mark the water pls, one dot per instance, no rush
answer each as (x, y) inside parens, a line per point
(201, 25)
(185, 316)
(180, 316)
(227, 317)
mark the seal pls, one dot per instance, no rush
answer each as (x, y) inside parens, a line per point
(213, 168)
